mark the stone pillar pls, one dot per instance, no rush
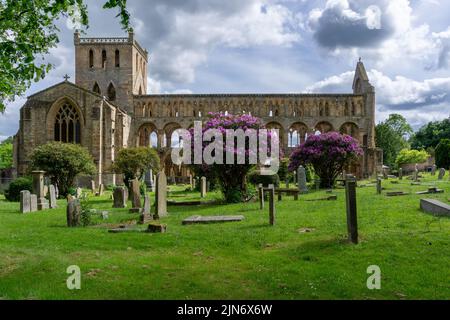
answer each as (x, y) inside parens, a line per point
(73, 213)
(352, 222)
(203, 187)
(52, 202)
(38, 189)
(272, 205)
(379, 188)
(261, 196)
(400, 174)
(120, 200)
(25, 201)
(301, 178)
(136, 204)
(433, 170)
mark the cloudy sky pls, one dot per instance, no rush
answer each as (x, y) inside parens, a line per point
(282, 46)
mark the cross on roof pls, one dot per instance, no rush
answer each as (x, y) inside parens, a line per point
(66, 77)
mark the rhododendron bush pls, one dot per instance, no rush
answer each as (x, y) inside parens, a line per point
(328, 153)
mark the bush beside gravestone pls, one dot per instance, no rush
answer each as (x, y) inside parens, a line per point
(13, 192)
(255, 178)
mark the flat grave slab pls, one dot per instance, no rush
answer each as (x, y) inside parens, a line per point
(125, 229)
(431, 191)
(189, 203)
(329, 198)
(435, 207)
(211, 219)
(397, 194)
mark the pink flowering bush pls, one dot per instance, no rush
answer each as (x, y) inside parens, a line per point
(231, 177)
(328, 153)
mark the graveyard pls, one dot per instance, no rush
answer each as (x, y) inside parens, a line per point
(295, 247)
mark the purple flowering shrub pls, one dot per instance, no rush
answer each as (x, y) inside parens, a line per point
(231, 178)
(328, 153)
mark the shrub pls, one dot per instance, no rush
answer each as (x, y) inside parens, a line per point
(13, 192)
(407, 156)
(442, 153)
(62, 162)
(328, 153)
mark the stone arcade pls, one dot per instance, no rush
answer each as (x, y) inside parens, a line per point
(108, 108)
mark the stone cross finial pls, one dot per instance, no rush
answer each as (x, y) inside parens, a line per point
(66, 77)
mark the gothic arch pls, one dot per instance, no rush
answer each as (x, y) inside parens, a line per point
(96, 89)
(297, 134)
(65, 121)
(351, 129)
(111, 92)
(277, 125)
(323, 127)
(144, 134)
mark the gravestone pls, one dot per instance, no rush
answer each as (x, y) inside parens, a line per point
(52, 201)
(208, 186)
(261, 196)
(211, 219)
(156, 228)
(352, 221)
(120, 199)
(78, 193)
(25, 201)
(93, 186)
(191, 181)
(301, 178)
(295, 177)
(101, 189)
(73, 212)
(203, 187)
(379, 187)
(287, 183)
(272, 205)
(161, 195)
(435, 207)
(194, 183)
(136, 204)
(45, 190)
(400, 174)
(38, 189)
(433, 170)
(105, 215)
(416, 175)
(33, 203)
(385, 174)
(145, 214)
(441, 174)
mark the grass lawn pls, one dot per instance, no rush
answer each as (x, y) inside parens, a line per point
(244, 260)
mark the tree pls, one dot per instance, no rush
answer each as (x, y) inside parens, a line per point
(429, 136)
(62, 162)
(442, 153)
(6, 154)
(28, 31)
(134, 162)
(391, 136)
(407, 156)
(231, 177)
(328, 153)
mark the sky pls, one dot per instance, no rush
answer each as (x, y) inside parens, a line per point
(280, 46)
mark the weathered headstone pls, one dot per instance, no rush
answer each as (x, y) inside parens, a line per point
(272, 205)
(261, 196)
(105, 215)
(301, 178)
(156, 228)
(25, 201)
(145, 214)
(161, 195)
(38, 189)
(191, 180)
(211, 219)
(441, 174)
(287, 183)
(78, 193)
(435, 207)
(208, 186)
(416, 175)
(295, 177)
(33, 203)
(379, 187)
(120, 199)
(136, 203)
(400, 174)
(101, 190)
(194, 183)
(73, 212)
(352, 221)
(433, 170)
(203, 187)
(385, 174)
(52, 202)
(93, 186)
(45, 190)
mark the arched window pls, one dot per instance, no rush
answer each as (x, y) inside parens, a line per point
(67, 125)
(91, 58)
(153, 140)
(117, 59)
(111, 92)
(103, 59)
(96, 88)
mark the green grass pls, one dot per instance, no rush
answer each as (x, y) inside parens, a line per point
(245, 260)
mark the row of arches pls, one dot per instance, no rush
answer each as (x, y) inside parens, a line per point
(296, 134)
(351, 107)
(104, 58)
(110, 91)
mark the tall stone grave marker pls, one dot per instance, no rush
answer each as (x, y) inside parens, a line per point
(136, 203)
(261, 196)
(433, 170)
(203, 187)
(301, 178)
(25, 201)
(379, 187)
(145, 214)
(33, 203)
(120, 199)
(93, 186)
(161, 195)
(38, 189)
(73, 212)
(52, 198)
(400, 174)
(441, 174)
(352, 221)
(272, 205)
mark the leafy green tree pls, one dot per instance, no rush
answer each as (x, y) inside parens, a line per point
(407, 156)
(6, 154)
(28, 31)
(391, 136)
(62, 162)
(431, 134)
(442, 154)
(134, 162)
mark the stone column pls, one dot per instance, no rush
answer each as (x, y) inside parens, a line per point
(352, 222)
(400, 174)
(272, 205)
(203, 187)
(379, 188)
(38, 189)
(161, 195)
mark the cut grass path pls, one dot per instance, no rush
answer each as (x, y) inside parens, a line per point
(244, 260)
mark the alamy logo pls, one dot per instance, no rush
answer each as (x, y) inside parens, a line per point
(73, 282)
(239, 147)
(374, 280)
